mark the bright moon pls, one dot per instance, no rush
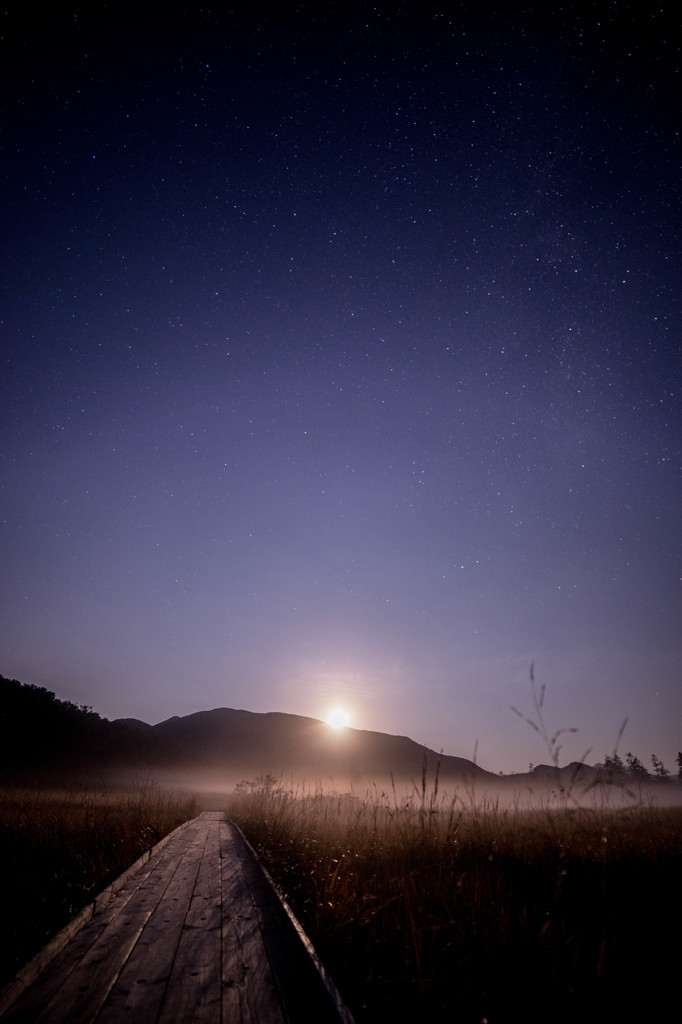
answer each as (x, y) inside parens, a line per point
(338, 719)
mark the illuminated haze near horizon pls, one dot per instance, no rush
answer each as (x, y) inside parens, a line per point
(341, 358)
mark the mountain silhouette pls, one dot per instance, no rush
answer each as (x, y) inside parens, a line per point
(40, 733)
(43, 737)
(251, 744)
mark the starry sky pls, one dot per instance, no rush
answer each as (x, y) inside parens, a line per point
(341, 366)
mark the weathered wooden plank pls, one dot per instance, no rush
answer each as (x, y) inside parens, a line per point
(139, 988)
(194, 986)
(113, 897)
(305, 990)
(250, 993)
(85, 965)
(199, 934)
(95, 976)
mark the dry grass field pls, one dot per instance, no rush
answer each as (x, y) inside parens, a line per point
(441, 908)
(59, 848)
(429, 906)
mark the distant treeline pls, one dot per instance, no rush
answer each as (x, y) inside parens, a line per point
(38, 732)
(633, 769)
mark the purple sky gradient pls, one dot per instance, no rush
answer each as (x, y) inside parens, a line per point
(341, 364)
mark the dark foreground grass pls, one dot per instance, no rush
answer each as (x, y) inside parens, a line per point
(422, 909)
(58, 849)
(446, 911)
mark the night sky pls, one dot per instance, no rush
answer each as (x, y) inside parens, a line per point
(341, 366)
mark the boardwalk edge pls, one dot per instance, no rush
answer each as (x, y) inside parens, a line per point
(345, 1016)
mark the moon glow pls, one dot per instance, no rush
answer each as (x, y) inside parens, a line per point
(338, 718)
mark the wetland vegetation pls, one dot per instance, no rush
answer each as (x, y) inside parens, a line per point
(438, 907)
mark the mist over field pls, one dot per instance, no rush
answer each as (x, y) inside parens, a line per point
(214, 752)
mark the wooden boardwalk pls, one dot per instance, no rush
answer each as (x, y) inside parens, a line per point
(194, 933)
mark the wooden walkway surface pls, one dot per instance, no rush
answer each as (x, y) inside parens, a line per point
(194, 933)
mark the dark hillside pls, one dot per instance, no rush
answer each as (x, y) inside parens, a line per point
(282, 744)
(41, 733)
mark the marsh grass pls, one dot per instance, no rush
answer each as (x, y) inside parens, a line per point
(438, 906)
(59, 848)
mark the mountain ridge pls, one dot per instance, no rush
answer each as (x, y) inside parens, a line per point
(42, 737)
(280, 743)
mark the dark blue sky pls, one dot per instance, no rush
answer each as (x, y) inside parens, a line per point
(341, 365)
